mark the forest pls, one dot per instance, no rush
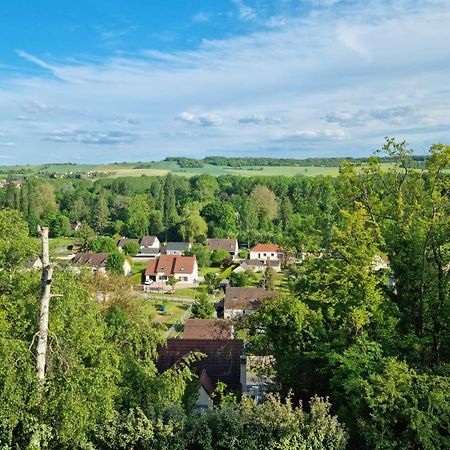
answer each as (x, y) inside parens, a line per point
(361, 349)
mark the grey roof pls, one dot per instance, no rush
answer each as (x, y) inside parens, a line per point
(149, 251)
(181, 246)
(229, 245)
(148, 241)
(245, 298)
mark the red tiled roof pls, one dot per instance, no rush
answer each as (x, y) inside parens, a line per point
(222, 361)
(171, 264)
(245, 298)
(208, 329)
(268, 248)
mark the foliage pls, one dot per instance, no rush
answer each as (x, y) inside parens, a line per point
(218, 256)
(115, 262)
(203, 308)
(238, 279)
(131, 248)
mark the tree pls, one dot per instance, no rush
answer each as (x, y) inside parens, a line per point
(238, 279)
(115, 262)
(172, 281)
(138, 212)
(211, 281)
(204, 187)
(86, 236)
(269, 279)
(15, 245)
(221, 219)
(203, 308)
(218, 256)
(131, 248)
(202, 254)
(193, 228)
(103, 244)
(100, 218)
(170, 210)
(265, 201)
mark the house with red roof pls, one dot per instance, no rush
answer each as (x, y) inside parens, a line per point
(183, 268)
(265, 252)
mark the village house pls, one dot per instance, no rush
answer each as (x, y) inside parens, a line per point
(96, 262)
(183, 268)
(149, 246)
(208, 329)
(256, 265)
(264, 252)
(242, 301)
(176, 248)
(229, 245)
(224, 362)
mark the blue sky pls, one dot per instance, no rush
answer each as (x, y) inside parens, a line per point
(99, 81)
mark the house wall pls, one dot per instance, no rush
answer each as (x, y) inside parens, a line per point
(264, 256)
(204, 401)
(236, 313)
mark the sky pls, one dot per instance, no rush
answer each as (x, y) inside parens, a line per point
(112, 80)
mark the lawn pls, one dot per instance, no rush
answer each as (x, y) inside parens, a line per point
(172, 315)
(204, 270)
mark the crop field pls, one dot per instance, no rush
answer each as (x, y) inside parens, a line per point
(161, 168)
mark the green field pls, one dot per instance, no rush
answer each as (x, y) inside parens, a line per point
(161, 168)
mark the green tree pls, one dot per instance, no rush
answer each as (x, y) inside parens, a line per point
(202, 254)
(202, 308)
(131, 248)
(221, 219)
(115, 262)
(218, 256)
(138, 211)
(103, 244)
(193, 228)
(238, 279)
(86, 236)
(101, 215)
(265, 201)
(269, 279)
(172, 281)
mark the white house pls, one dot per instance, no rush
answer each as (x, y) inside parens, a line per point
(182, 268)
(176, 248)
(264, 252)
(242, 301)
(229, 245)
(97, 262)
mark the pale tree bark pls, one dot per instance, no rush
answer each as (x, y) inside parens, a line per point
(46, 281)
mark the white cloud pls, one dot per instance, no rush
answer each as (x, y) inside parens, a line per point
(200, 17)
(206, 119)
(260, 119)
(246, 13)
(7, 144)
(90, 137)
(316, 135)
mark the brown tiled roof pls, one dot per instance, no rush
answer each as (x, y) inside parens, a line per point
(229, 245)
(90, 259)
(222, 361)
(268, 248)
(208, 329)
(245, 298)
(171, 264)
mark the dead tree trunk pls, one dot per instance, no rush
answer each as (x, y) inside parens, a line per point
(46, 281)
